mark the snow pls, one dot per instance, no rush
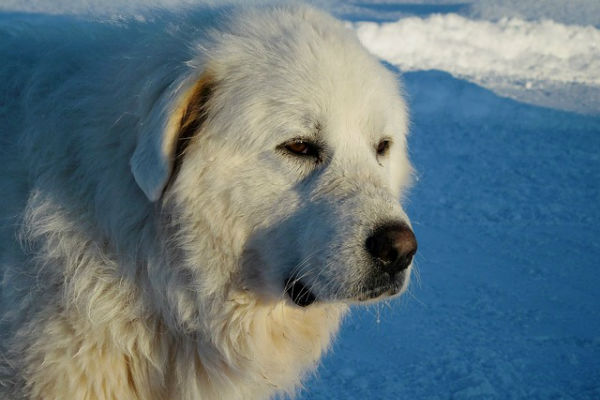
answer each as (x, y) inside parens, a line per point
(510, 52)
(504, 303)
(579, 12)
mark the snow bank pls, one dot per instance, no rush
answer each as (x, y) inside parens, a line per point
(509, 51)
(577, 12)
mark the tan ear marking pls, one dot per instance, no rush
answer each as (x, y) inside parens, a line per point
(192, 117)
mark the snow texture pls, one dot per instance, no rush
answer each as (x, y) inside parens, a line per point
(508, 53)
(506, 208)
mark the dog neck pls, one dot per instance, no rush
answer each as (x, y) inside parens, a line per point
(256, 350)
(126, 347)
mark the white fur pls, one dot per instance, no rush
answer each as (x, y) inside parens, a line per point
(124, 281)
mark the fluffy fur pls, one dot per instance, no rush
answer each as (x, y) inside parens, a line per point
(150, 215)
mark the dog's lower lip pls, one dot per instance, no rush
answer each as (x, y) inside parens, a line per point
(385, 290)
(299, 293)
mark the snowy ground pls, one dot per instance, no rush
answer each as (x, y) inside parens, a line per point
(538, 61)
(506, 208)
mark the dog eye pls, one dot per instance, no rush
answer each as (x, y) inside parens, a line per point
(302, 147)
(383, 147)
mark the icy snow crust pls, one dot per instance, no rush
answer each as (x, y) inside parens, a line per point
(511, 49)
(511, 55)
(505, 301)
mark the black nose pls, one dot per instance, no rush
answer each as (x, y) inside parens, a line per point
(394, 246)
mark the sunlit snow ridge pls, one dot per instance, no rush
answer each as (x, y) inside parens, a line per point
(509, 50)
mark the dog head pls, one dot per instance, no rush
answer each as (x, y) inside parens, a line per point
(282, 162)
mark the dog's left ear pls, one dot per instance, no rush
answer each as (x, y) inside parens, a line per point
(172, 123)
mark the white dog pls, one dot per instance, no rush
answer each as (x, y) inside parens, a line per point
(190, 202)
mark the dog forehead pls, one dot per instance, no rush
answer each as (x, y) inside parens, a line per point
(305, 75)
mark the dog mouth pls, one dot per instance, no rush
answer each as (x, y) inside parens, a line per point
(300, 294)
(381, 286)
(375, 290)
(379, 292)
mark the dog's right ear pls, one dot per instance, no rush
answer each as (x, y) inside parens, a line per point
(172, 122)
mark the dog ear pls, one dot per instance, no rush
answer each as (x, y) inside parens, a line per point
(172, 123)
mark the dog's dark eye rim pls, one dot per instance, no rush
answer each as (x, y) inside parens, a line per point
(301, 147)
(383, 147)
